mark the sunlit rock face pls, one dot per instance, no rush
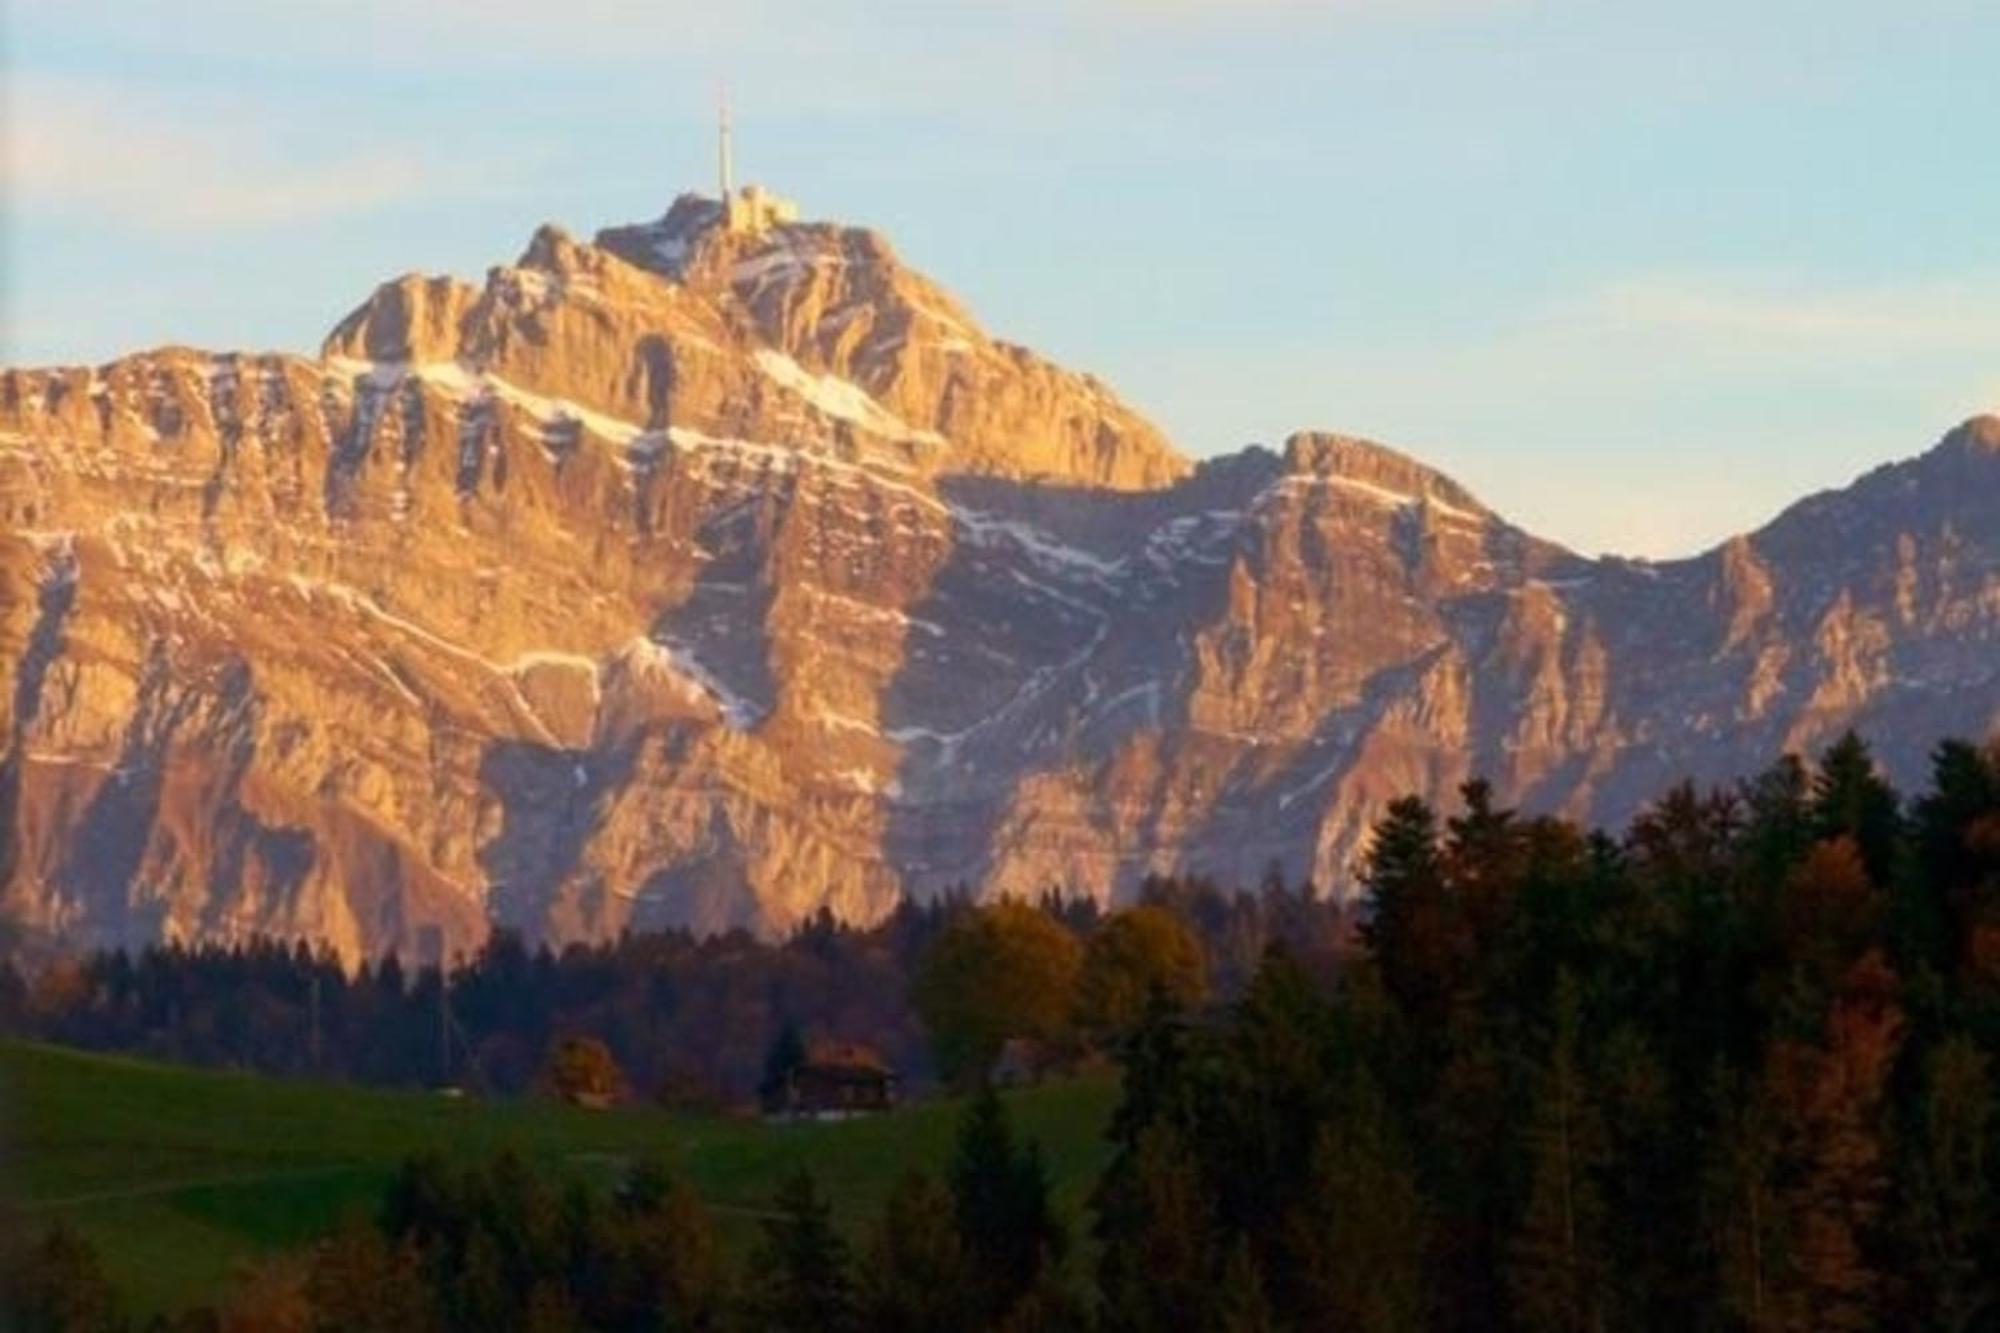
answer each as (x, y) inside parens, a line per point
(708, 578)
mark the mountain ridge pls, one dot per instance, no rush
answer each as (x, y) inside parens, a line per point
(696, 577)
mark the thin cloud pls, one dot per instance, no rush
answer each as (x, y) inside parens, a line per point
(1887, 320)
(93, 153)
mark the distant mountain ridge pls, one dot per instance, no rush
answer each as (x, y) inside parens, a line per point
(706, 576)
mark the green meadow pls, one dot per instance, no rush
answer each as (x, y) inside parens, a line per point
(180, 1176)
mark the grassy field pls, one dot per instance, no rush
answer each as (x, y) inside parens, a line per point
(178, 1175)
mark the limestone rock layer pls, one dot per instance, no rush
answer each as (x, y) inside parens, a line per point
(695, 577)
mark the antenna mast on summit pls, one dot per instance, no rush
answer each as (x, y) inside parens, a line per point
(722, 142)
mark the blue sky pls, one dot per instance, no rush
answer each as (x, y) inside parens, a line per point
(1637, 273)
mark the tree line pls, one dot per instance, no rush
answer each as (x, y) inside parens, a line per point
(687, 1019)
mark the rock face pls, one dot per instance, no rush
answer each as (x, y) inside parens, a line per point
(699, 577)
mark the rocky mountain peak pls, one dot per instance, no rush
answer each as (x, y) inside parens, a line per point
(1365, 463)
(718, 570)
(792, 335)
(556, 251)
(663, 245)
(1977, 436)
(415, 317)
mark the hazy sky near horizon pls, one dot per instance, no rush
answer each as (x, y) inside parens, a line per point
(1638, 274)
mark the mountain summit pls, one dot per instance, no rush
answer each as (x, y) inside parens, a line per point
(713, 572)
(692, 321)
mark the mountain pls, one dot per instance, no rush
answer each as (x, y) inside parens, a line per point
(709, 574)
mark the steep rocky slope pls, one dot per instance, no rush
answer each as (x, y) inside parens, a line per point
(689, 576)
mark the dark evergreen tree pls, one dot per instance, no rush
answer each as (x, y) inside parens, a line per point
(1778, 822)
(1850, 800)
(1951, 900)
(1000, 1196)
(673, 1259)
(1409, 925)
(1743, 1235)
(1158, 1246)
(1357, 1239)
(1834, 1179)
(1950, 1224)
(1159, 1080)
(1483, 852)
(1556, 1273)
(1272, 1094)
(801, 1278)
(1048, 1306)
(786, 1054)
(914, 1275)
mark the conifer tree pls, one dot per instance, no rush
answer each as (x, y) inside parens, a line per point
(1555, 1262)
(1000, 1196)
(1273, 1095)
(1356, 1241)
(787, 1053)
(1951, 1223)
(914, 1277)
(1850, 799)
(1830, 1099)
(675, 1260)
(1650, 1183)
(800, 1279)
(1744, 1235)
(1158, 1080)
(1409, 927)
(1049, 1305)
(1955, 888)
(1157, 1264)
(1829, 915)
(1483, 853)
(1778, 822)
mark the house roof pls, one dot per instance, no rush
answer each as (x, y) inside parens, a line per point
(849, 1057)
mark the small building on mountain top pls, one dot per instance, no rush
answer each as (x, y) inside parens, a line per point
(754, 210)
(836, 1079)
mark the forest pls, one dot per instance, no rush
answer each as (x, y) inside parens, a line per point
(1731, 1069)
(690, 1021)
